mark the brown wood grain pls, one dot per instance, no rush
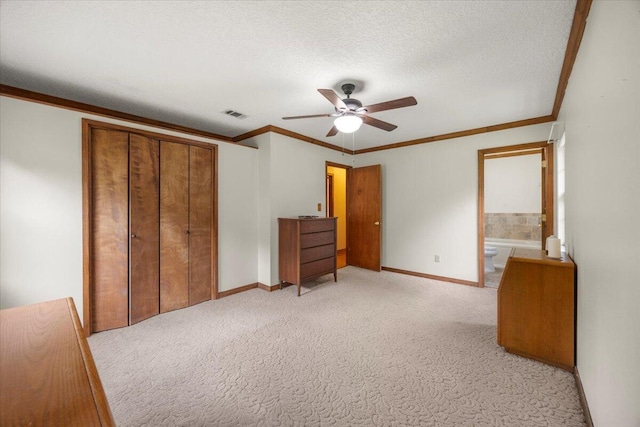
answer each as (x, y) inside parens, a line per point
(41, 98)
(314, 268)
(309, 254)
(460, 134)
(47, 374)
(144, 219)
(285, 132)
(289, 250)
(311, 226)
(364, 205)
(244, 288)
(109, 295)
(481, 224)
(431, 276)
(200, 224)
(86, 228)
(573, 45)
(548, 196)
(536, 308)
(208, 266)
(316, 239)
(174, 226)
(318, 252)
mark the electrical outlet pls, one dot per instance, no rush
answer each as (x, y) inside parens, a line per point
(436, 258)
(319, 207)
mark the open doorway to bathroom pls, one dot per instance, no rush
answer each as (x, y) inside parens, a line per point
(515, 204)
(336, 206)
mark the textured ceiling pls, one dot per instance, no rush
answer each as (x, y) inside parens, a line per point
(468, 63)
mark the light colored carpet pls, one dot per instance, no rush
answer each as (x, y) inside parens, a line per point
(373, 349)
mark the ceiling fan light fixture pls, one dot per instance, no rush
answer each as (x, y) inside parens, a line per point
(348, 123)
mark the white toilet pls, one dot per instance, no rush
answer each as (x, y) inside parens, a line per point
(489, 253)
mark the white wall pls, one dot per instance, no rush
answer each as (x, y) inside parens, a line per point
(601, 111)
(430, 201)
(41, 205)
(264, 206)
(297, 183)
(513, 184)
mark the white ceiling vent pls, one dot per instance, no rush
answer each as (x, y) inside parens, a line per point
(235, 114)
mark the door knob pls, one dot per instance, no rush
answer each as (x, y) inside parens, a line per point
(133, 236)
(186, 231)
(376, 223)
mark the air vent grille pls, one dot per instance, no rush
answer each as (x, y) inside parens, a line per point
(235, 114)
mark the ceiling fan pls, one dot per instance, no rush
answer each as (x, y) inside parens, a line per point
(350, 113)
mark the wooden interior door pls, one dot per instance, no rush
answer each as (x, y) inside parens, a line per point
(174, 226)
(109, 248)
(200, 224)
(144, 224)
(364, 207)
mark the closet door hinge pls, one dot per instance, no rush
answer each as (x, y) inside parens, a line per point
(544, 163)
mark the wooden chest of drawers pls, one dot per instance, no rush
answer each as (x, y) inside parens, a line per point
(536, 307)
(307, 249)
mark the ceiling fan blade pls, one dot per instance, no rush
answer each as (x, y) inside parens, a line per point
(390, 105)
(333, 98)
(333, 131)
(307, 117)
(378, 123)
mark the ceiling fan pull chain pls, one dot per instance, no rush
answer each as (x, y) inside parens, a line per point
(353, 149)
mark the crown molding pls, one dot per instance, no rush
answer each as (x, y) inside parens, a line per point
(573, 45)
(54, 101)
(460, 134)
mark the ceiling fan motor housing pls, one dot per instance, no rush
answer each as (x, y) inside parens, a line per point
(352, 103)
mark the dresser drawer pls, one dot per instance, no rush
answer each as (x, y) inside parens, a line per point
(326, 265)
(314, 226)
(317, 239)
(319, 252)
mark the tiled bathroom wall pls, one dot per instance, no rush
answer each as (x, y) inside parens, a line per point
(514, 226)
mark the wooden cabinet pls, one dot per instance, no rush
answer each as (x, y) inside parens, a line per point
(148, 225)
(307, 249)
(536, 307)
(47, 373)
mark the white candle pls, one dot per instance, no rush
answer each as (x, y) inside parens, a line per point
(553, 247)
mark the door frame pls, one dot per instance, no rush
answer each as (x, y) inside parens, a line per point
(326, 173)
(546, 189)
(329, 195)
(87, 210)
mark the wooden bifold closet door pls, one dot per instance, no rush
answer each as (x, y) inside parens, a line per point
(185, 225)
(144, 223)
(109, 253)
(151, 226)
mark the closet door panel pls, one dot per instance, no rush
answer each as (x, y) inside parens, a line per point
(144, 223)
(174, 226)
(200, 223)
(109, 250)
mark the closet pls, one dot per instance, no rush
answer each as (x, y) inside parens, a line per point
(149, 224)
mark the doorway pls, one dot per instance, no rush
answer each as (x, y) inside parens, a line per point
(515, 204)
(336, 206)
